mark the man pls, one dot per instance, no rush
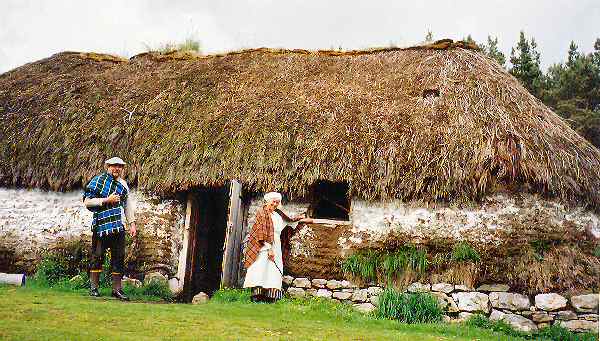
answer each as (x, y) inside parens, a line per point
(107, 195)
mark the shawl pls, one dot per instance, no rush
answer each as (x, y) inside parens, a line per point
(261, 232)
(107, 218)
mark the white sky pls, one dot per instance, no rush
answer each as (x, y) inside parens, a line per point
(31, 30)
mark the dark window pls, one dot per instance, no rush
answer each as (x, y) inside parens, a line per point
(431, 93)
(330, 200)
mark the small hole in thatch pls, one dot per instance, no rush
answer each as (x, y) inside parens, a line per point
(330, 200)
(430, 93)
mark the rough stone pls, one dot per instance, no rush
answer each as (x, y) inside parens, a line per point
(446, 288)
(585, 303)
(494, 287)
(200, 298)
(302, 283)
(472, 301)
(360, 295)
(443, 299)
(319, 283)
(364, 307)
(496, 315)
(566, 315)
(550, 302)
(579, 326)
(174, 286)
(504, 300)
(541, 316)
(154, 276)
(333, 284)
(463, 316)
(340, 295)
(589, 317)
(374, 300)
(347, 285)
(525, 313)
(374, 291)
(543, 325)
(323, 293)
(419, 287)
(287, 280)
(311, 292)
(462, 287)
(520, 323)
(296, 292)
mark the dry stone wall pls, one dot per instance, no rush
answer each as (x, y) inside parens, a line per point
(34, 221)
(522, 312)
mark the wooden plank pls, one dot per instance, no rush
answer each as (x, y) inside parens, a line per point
(229, 274)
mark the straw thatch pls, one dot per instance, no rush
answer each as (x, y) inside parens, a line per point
(438, 122)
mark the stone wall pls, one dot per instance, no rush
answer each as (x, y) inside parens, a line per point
(34, 221)
(318, 248)
(459, 302)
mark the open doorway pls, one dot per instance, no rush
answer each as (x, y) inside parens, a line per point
(207, 229)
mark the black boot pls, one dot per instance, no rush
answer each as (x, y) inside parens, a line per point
(117, 289)
(94, 282)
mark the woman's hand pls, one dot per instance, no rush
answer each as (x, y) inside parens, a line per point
(299, 217)
(271, 254)
(307, 220)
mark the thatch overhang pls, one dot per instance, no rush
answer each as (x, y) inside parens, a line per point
(438, 122)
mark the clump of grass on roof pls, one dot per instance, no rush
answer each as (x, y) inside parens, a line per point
(463, 252)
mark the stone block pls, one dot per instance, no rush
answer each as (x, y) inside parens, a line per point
(360, 295)
(566, 315)
(347, 285)
(520, 323)
(374, 291)
(319, 283)
(589, 317)
(374, 300)
(155, 276)
(505, 300)
(340, 295)
(550, 302)
(302, 283)
(585, 303)
(419, 287)
(174, 286)
(296, 292)
(496, 315)
(287, 280)
(541, 316)
(446, 288)
(472, 301)
(579, 326)
(462, 287)
(333, 284)
(493, 287)
(200, 298)
(311, 292)
(323, 293)
(443, 299)
(364, 307)
(132, 282)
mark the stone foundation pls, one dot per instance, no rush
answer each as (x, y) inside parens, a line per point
(522, 312)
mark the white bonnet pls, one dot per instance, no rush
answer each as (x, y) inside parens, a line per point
(272, 196)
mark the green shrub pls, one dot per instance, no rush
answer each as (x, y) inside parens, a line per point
(362, 265)
(558, 333)
(597, 251)
(232, 295)
(369, 265)
(463, 252)
(50, 271)
(408, 308)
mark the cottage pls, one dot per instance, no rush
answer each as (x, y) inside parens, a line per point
(428, 145)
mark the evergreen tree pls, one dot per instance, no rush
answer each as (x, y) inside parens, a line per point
(573, 54)
(491, 49)
(429, 37)
(525, 60)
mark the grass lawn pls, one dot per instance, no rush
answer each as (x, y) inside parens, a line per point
(47, 314)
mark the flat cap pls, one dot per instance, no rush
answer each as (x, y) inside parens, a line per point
(115, 161)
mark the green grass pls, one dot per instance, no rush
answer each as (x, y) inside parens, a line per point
(463, 252)
(407, 307)
(32, 313)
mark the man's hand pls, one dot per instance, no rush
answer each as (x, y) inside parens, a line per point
(132, 230)
(113, 199)
(271, 254)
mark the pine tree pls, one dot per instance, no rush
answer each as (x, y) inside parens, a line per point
(491, 49)
(573, 54)
(525, 60)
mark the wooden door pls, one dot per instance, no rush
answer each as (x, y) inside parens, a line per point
(232, 248)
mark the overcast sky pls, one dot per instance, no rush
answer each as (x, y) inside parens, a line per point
(31, 30)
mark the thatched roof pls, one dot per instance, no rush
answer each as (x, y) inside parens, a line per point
(281, 119)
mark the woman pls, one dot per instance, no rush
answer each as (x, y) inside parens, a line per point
(263, 257)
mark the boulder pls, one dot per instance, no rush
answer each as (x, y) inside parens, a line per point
(323, 293)
(541, 316)
(493, 287)
(311, 292)
(472, 301)
(347, 285)
(296, 292)
(462, 287)
(200, 298)
(505, 300)
(340, 295)
(446, 288)
(496, 315)
(287, 280)
(319, 283)
(360, 295)
(566, 315)
(419, 287)
(333, 284)
(463, 316)
(520, 323)
(364, 307)
(154, 276)
(444, 300)
(374, 300)
(579, 326)
(585, 303)
(302, 283)
(174, 286)
(550, 302)
(589, 317)
(374, 291)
